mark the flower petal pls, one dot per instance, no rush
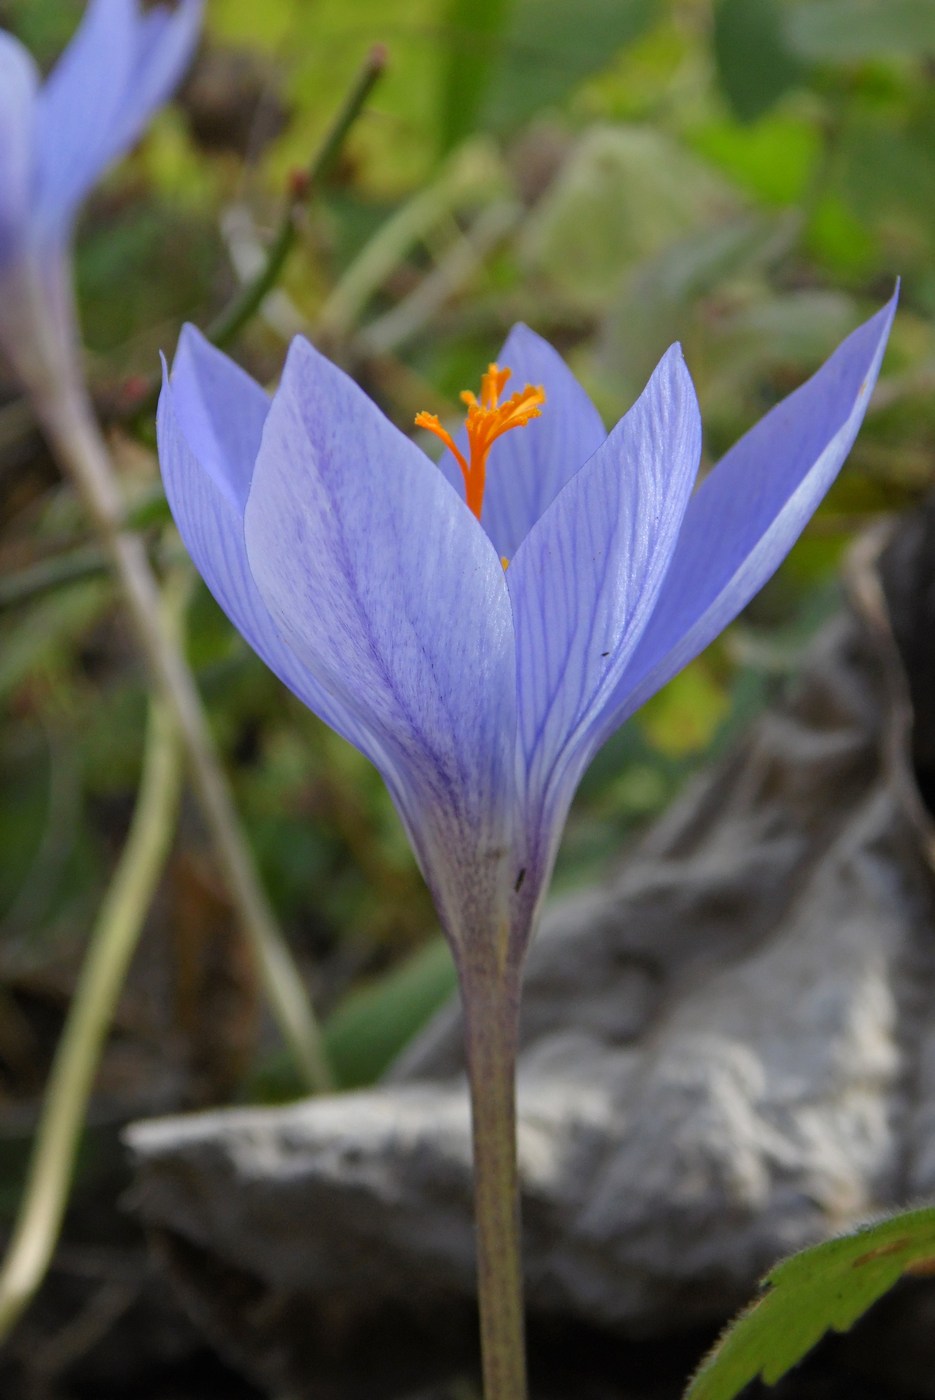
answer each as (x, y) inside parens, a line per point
(751, 509)
(392, 597)
(206, 391)
(585, 581)
(165, 42)
(221, 411)
(117, 69)
(529, 466)
(19, 82)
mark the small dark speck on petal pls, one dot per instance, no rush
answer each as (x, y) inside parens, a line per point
(605, 653)
(519, 880)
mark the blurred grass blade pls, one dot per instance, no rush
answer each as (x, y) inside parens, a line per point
(374, 1024)
(48, 629)
(818, 1290)
(47, 576)
(110, 949)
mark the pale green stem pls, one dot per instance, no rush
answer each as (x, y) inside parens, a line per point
(74, 435)
(491, 1027)
(111, 946)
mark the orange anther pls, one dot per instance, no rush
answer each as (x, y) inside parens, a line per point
(487, 419)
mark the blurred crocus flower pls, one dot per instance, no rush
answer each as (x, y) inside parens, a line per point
(480, 639)
(56, 138)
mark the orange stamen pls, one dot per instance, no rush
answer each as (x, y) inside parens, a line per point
(487, 419)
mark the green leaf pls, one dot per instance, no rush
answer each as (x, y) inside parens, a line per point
(754, 62)
(44, 29)
(370, 1028)
(841, 31)
(550, 47)
(475, 31)
(772, 160)
(46, 634)
(838, 238)
(624, 194)
(827, 1287)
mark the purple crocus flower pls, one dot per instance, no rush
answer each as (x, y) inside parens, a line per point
(55, 140)
(480, 663)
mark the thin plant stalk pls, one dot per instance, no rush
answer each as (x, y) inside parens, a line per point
(491, 1022)
(113, 941)
(71, 428)
(248, 300)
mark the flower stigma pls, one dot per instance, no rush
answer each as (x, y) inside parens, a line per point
(487, 419)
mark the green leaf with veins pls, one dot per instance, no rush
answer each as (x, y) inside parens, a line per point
(825, 1288)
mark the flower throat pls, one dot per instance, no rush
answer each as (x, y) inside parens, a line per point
(487, 419)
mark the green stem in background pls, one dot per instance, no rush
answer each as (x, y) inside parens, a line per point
(82, 558)
(491, 1028)
(72, 566)
(248, 300)
(111, 947)
(75, 438)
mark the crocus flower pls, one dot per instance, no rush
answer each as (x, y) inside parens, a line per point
(480, 627)
(55, 140)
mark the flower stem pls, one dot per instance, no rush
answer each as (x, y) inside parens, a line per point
(74, 436)
(110, 949)
(491, 1018)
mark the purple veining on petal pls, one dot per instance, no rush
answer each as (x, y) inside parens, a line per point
(751, 509)
(120, 66)
(209, 515)
(586, 579)
(392, 597)
(221, 411)
(376, 594)
(19, 83)
(55, 140)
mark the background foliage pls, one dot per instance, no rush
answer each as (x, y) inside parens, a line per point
(748, 177)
